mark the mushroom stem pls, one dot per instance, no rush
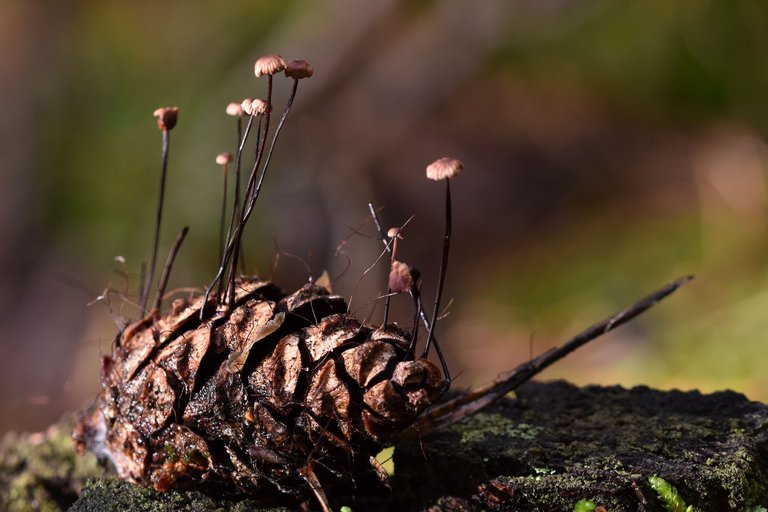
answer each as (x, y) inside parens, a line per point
(279, 128)
(389, 289)
(241, 139)
(158, 221)
(223, 214)
(237, 178)
(441, 282)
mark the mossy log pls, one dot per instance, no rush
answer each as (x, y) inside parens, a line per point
(552, 446)
(557, 444)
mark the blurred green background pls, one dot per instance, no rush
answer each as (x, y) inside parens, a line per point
(609, 147)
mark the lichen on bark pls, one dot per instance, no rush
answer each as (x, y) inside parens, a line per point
(556, 444)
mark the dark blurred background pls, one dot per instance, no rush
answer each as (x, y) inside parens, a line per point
(609, 147)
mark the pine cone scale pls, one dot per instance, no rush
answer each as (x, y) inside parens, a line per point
(184, 355)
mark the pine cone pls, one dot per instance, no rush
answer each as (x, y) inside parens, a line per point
(247, 400)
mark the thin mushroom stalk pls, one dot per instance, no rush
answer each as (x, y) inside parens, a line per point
(442, 169)
(223, 159)
(166, 120)
(236, 110)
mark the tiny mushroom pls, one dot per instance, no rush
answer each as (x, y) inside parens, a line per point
(443, 168)
(260, 107)
(246, 105)
(235, 109)
(298, 69)
(166, 117)
(224, 158)
(255, 107)
(268, 65)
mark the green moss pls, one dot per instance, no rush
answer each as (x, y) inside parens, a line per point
(668, 495)
(584, 506)
(42, 472)
(483, 426)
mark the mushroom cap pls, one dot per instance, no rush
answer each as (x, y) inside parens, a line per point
(260, 107)
(246, 105)
(298, 69)
(268, 65)
(235, 109)
(255, 107)
(394, 232)
(444, 168)
(166, 117)
(224, 158)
